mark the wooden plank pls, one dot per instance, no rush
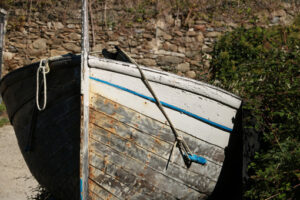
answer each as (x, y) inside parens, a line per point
(168, 79)
(94, 196)
(146, 141)
(181, 121)
(200, 182)
(100, 191)
(191, 102)
(161, 181)
(154, 128)
(84, 171)
(117, 131)
(137, 185)
(110, 183)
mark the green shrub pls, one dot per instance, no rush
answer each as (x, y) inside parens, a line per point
(263, 67)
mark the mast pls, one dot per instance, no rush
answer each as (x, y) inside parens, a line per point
(84, 171)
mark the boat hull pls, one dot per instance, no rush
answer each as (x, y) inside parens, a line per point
(49, 139)
(130, 142)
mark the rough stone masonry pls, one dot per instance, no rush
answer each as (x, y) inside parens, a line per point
(162, 41)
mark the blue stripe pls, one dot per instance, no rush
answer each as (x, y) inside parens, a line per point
(81, 189)
(165, 104)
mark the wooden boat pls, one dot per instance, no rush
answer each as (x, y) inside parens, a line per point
(126, 148)
(130, 140)
(48, 140)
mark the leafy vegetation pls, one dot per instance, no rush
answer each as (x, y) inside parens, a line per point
(144, 11)
(262, 66)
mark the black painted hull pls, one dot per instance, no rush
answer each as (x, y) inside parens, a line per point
(49, 140)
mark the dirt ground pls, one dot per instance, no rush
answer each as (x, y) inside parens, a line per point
(16, 181)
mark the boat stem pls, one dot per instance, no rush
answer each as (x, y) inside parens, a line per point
(84, 136)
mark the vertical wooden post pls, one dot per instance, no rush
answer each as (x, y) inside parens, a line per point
(84, 170)
(2, 31)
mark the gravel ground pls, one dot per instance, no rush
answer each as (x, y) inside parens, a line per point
(16, 181)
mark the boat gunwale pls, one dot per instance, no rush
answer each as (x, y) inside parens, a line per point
(10, 75)
(170, 75)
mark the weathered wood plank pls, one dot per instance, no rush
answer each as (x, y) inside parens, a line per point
(180, 174)
(116, 184)
(167, 79)
(188, 101)
(100, 191)
(85, 92)
(181, 121)
(137, 184)
(106, 181)
(160, 180)
(146, 141)
(153, 144)
(94, 196)
(155, 128)
(114, 131)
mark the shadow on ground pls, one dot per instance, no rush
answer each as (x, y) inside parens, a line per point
(41, 194)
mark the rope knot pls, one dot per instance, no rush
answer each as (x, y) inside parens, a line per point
(179, 138)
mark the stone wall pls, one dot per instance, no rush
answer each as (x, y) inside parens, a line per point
(162, 40)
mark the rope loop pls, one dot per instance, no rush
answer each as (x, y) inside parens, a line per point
(44, 69)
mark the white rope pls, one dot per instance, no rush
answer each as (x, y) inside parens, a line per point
(179, 141)
(44, 68)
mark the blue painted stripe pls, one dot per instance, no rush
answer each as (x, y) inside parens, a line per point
(81, 189)
(164, 104)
